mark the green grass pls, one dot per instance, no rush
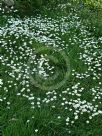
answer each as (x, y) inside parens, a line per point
(20, 113)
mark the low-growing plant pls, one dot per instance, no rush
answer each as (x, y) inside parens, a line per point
(92, 18)
(90, 11)
(94, 3)
(35, 5)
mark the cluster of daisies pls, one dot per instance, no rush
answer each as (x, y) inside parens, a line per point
(18, 57)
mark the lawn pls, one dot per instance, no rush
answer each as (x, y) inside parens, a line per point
(51, 72)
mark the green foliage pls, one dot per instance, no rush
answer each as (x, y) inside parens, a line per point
(94, 3)
(28, 5)
(92, 18)
(19, 120)
(91, 3)
(36, 5)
